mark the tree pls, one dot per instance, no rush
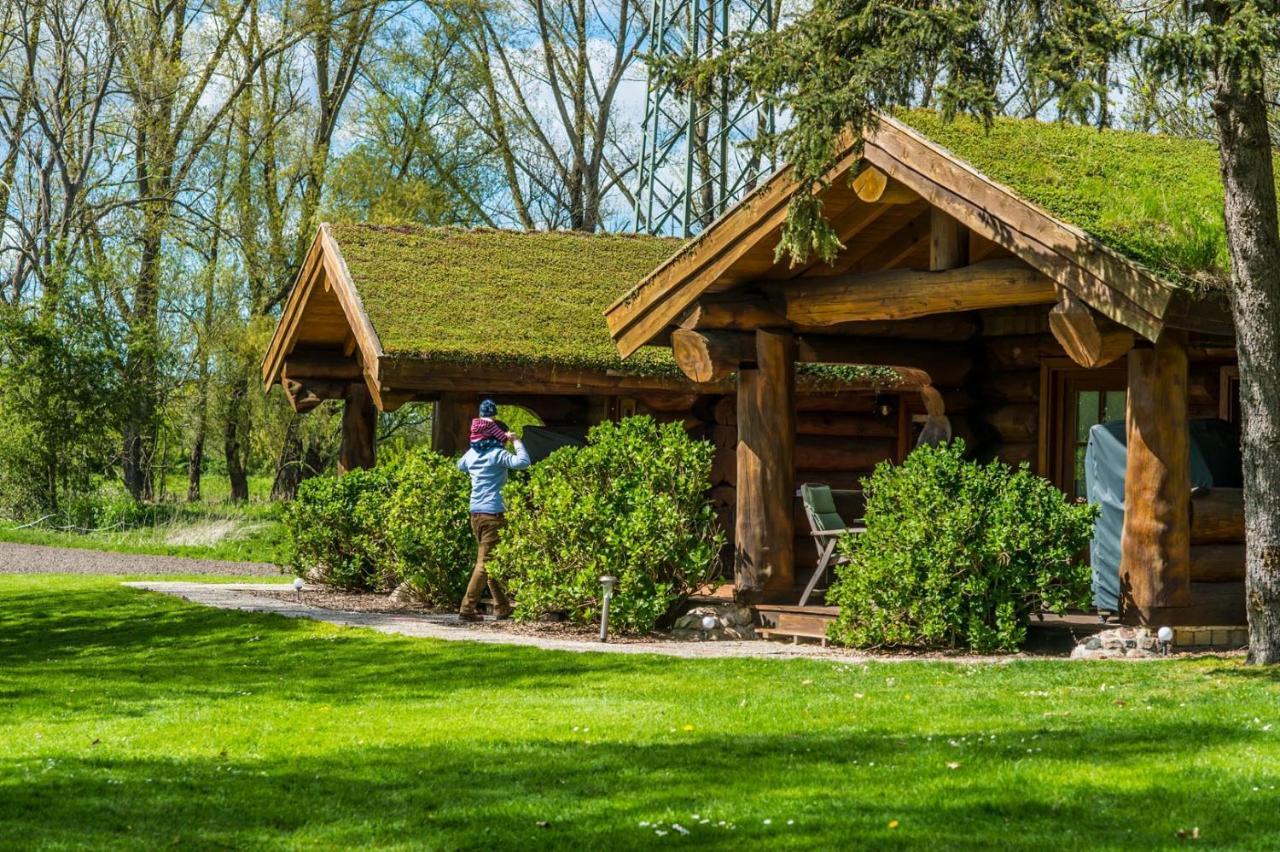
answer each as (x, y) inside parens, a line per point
(844, 59)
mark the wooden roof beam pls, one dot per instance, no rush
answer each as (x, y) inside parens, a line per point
(906, 293)
(1091, 339)
(712, 356)
(875, 187)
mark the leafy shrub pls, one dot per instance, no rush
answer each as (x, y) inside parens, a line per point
(958, 554)
(428, 528)
(631, 503)
(335, 526)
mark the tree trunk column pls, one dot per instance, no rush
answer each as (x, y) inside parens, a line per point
(359, 428)
(451, 423)
(763, 553)
(1155, 562)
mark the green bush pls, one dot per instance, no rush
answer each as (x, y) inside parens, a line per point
(335, 526)
(631, 503)
(959, 555)
(429, 530)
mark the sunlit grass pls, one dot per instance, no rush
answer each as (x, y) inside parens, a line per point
(136, 720)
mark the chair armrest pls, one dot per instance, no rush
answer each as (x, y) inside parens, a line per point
(829, 533)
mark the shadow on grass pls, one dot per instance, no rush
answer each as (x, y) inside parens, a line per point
(1114, 782)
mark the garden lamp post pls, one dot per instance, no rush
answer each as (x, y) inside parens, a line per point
(606, 583)
(297, 588)
(1165, 637)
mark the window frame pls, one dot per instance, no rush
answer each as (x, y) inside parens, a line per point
(1059, 378)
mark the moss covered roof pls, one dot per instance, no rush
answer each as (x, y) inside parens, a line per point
(516, 299)
(1155, 199)
(499, 297)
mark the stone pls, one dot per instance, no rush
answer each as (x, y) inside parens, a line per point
(733, 622)
(1116, 644)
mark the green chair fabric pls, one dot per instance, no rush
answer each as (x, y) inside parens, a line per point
(820, 506)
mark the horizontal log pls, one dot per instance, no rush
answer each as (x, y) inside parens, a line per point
(1217, 563)
(947, 328)
(1021, 352)
(710, 356)
(1016, 454)
(906, 293)
(1089, 339)
(847, 480)
(306, 394)
(1020, 319)
(724, 436)
(845, 425)
(724, 466)
(1016, 424)
(819, 453)
(1011, 386)
(846, 402)
(946, 363)
(320, 364)
(737, 313)
(725, 412)
(669, 402)
(1218, 517)
(875, 187)
(1217, 604)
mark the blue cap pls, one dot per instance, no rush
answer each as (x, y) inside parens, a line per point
(488, 408)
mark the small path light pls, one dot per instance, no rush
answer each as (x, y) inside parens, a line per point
(297, 588)
(606, 583)
(1165, 637)
(709, 623)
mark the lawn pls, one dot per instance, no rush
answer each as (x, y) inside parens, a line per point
(238, 532)
(136, 720)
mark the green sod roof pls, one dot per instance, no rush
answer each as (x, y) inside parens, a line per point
(1154, 199)
(501, 298)
(517, 299)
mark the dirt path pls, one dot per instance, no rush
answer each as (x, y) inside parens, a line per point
(248, 597)
(38, 559)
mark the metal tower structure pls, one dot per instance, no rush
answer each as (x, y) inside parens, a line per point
(693, 165)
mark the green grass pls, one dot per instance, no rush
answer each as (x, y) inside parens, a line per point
(249, 532)
(134, 720)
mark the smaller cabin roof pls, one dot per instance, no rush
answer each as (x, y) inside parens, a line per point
(418, 309)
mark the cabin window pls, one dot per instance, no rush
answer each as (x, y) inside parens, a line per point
(1073, 401)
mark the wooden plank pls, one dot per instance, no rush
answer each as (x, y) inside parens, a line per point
(1155, 562)
(892, 249)
(764, 557)
(313, 364)
(338, 278)
(286, 329)
(359, 430)
(907, 293)
(948, 328)
(850, 455)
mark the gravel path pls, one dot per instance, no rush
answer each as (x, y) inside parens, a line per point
(38, 559)
(250, 597)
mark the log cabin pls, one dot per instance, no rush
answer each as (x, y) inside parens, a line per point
(1077, 274)
(383, 316)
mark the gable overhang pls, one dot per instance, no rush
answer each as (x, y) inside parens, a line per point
(1076, 262)
(323, 315)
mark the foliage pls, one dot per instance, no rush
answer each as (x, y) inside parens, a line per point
(428, 529)
(55, 402)
(124, 711)
(631, 503)
(335, 526)
(959, 555)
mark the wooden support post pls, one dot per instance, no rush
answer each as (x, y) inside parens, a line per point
(948, 242)
(709, 356)
(359, 429)
(1155, 561)
(764, 546)
(451, 423)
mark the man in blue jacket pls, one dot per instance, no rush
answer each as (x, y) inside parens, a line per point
(487, 462)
